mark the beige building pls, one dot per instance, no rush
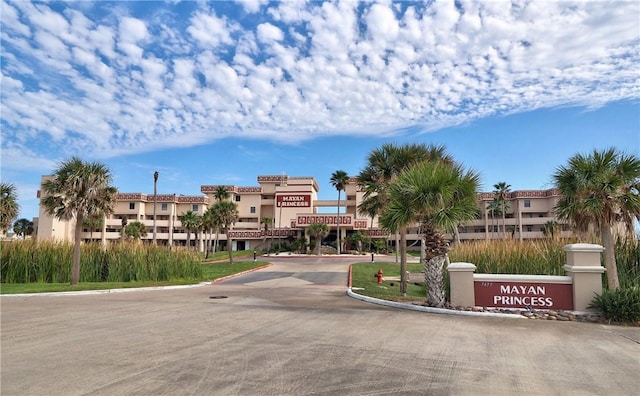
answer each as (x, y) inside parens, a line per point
(292, 203)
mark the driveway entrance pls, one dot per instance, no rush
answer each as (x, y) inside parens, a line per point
(291, 330)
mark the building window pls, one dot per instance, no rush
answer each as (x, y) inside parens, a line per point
(237, 198)
(132, 205)
(194, 208)
(527, 203)
(164, 206)
(252, 209)
(529, 228)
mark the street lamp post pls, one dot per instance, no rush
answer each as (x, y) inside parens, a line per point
(155, 201)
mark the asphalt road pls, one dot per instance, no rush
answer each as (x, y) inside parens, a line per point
(291, 330)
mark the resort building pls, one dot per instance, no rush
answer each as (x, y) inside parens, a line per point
(292, 204)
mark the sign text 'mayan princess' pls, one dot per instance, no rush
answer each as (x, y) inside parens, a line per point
(523, 295)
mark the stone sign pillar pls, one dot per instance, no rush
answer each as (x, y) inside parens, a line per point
(583, 265)
(461, 281)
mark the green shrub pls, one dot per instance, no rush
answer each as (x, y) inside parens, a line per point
(618, 306)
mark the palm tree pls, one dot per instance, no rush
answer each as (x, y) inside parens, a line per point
(369, 208)
(135, 230)
(207, 229)
(439, 196)
(549, 229)
(78, 190)
(155, 202)
(265, 221)
(339, 180)
(601, 189)
(216, 225)
(189, 220)
(23, 228)
(500, 192)
(384, 164)
(493, 209)
(227, 212)
(93, 222)
(318, 231)
(221, 193)
(9, 207)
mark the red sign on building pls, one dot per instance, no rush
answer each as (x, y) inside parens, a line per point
(293, 201)
(523, 295)
(323, 219)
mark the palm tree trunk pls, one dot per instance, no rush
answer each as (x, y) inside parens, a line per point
(504, 229)
(434, 281)
(403, 262)
(75, 267)
(609, 257)
(229, 247)
(338, 223)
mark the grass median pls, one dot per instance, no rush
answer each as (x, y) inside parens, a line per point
(364, 282)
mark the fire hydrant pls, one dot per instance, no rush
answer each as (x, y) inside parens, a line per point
(379, 276)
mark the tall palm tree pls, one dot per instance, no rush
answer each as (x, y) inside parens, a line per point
(9, 207)
(318, 231)
(265, 222)
(207, 229)
(369, 208)
(384, 164)
(221, 193)
(155, 202)
(339, 180)
(135, 230)
(494, 208)
(439, 196)
(95, 221)
(501, 190)
(600, 189)
(78, 190)
(549, 229)
(189, 220)
(23, 228)
(227, 212)
(216, 224)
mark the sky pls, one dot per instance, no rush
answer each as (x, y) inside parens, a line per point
(222, 92)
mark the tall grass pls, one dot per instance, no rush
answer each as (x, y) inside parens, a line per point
(542, 257)
(50, 262)
(512, 257)
(628, 261)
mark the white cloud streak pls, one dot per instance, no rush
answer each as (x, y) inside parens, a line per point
(78, 81)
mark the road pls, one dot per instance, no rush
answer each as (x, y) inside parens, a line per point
(290, 329)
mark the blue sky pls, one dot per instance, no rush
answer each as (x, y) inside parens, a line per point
(221, 92)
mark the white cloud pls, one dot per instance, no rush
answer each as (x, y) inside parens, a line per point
(83, 81)
(209, 30)
(268, 33)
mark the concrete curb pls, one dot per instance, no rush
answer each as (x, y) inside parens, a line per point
(106, 291)
(420, 308)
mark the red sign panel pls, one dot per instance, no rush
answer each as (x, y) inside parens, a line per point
(293, 201)
(377, 233)
(359, 224)
(324, 219)
(261, 234)
(523, 295)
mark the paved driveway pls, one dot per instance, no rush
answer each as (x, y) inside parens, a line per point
(291, 330)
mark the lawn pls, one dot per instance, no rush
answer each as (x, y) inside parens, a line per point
(364, 281)
(210, 271)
